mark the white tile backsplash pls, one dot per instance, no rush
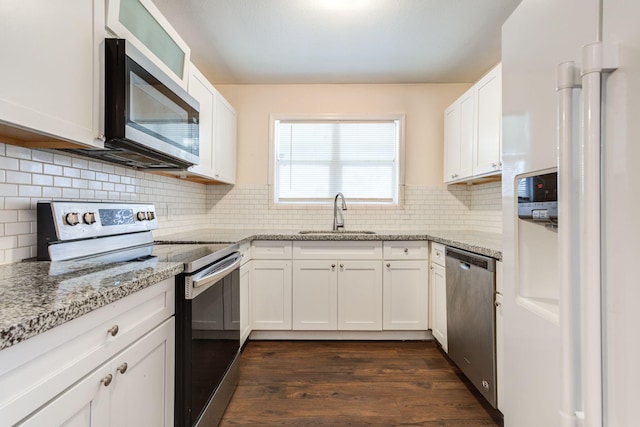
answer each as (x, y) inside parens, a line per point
(475, 207)
(29, 175)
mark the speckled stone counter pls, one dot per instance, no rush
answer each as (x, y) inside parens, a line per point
(488, 244)
(36, 296)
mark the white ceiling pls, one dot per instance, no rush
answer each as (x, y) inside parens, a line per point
(340, 41)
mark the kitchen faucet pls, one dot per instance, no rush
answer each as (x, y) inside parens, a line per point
(338, 224)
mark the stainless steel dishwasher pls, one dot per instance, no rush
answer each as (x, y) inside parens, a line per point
(471, 318)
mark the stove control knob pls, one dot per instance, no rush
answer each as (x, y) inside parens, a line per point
(89, 217)
(72, 218)
(142, 216)
(151, 215)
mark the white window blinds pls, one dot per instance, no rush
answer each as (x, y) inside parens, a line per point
(316, 159)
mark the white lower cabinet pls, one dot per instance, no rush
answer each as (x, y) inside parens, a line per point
(342, 287)
(439, 286)
(337, 295)
(405, 295)
(85, 404)
(270, 295)
(439, 294)
(315, 295)
(142, 389)
(359, 296)
(134, 388)
(113, 366)
(245, 319)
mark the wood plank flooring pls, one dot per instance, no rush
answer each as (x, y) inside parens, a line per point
(350, 383)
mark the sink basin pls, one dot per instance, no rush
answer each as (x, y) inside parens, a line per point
(336, 232)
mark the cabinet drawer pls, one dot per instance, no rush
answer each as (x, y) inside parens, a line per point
(438, 253)
(406, 250)
(271, 249)
(343, 250)
(35, 371)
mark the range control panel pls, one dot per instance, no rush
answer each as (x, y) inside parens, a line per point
(538, 198)
(64, 220)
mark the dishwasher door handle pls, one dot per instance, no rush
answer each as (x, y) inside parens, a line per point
(465, 266)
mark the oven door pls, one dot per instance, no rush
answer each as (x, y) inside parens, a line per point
(207, 342)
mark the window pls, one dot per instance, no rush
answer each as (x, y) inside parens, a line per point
(316, 158)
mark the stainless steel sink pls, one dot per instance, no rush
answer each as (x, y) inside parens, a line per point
(337, 232)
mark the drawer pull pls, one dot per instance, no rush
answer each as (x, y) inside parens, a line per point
(389, 265)
(113, 331)
(122, 368)
(406, 250)
(107, 380)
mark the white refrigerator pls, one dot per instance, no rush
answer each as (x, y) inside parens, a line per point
(571, 303)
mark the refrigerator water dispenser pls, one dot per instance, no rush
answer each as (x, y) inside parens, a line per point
(538, 199)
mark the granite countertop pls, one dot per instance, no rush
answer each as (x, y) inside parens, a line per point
(488, 244)
(36, 296)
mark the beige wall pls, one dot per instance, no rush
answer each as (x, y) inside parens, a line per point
(423, 105)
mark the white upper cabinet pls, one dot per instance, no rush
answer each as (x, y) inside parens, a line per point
(487, 147)
(225, 125)
(50, 77)
(203, 92)
(218, 122)
(142, 24)
(459, 133)
(472, 132)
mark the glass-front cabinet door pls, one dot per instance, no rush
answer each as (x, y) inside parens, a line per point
(141, 23)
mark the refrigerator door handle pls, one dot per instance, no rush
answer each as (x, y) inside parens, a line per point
(568, 80)
(597, 58)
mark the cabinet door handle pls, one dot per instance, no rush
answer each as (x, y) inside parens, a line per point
(107, 380)
(388, 265)
(341, 265)
(113, 331)
(122, 368)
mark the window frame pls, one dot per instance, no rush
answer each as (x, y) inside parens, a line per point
(320, 117)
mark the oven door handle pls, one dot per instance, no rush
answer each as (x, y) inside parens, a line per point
(198, 283)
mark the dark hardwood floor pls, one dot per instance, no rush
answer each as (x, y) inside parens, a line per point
(351, 383)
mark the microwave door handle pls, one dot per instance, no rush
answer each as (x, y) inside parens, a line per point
(216, 274)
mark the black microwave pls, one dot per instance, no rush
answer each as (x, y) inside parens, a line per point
(151, 122)
(146, 113)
